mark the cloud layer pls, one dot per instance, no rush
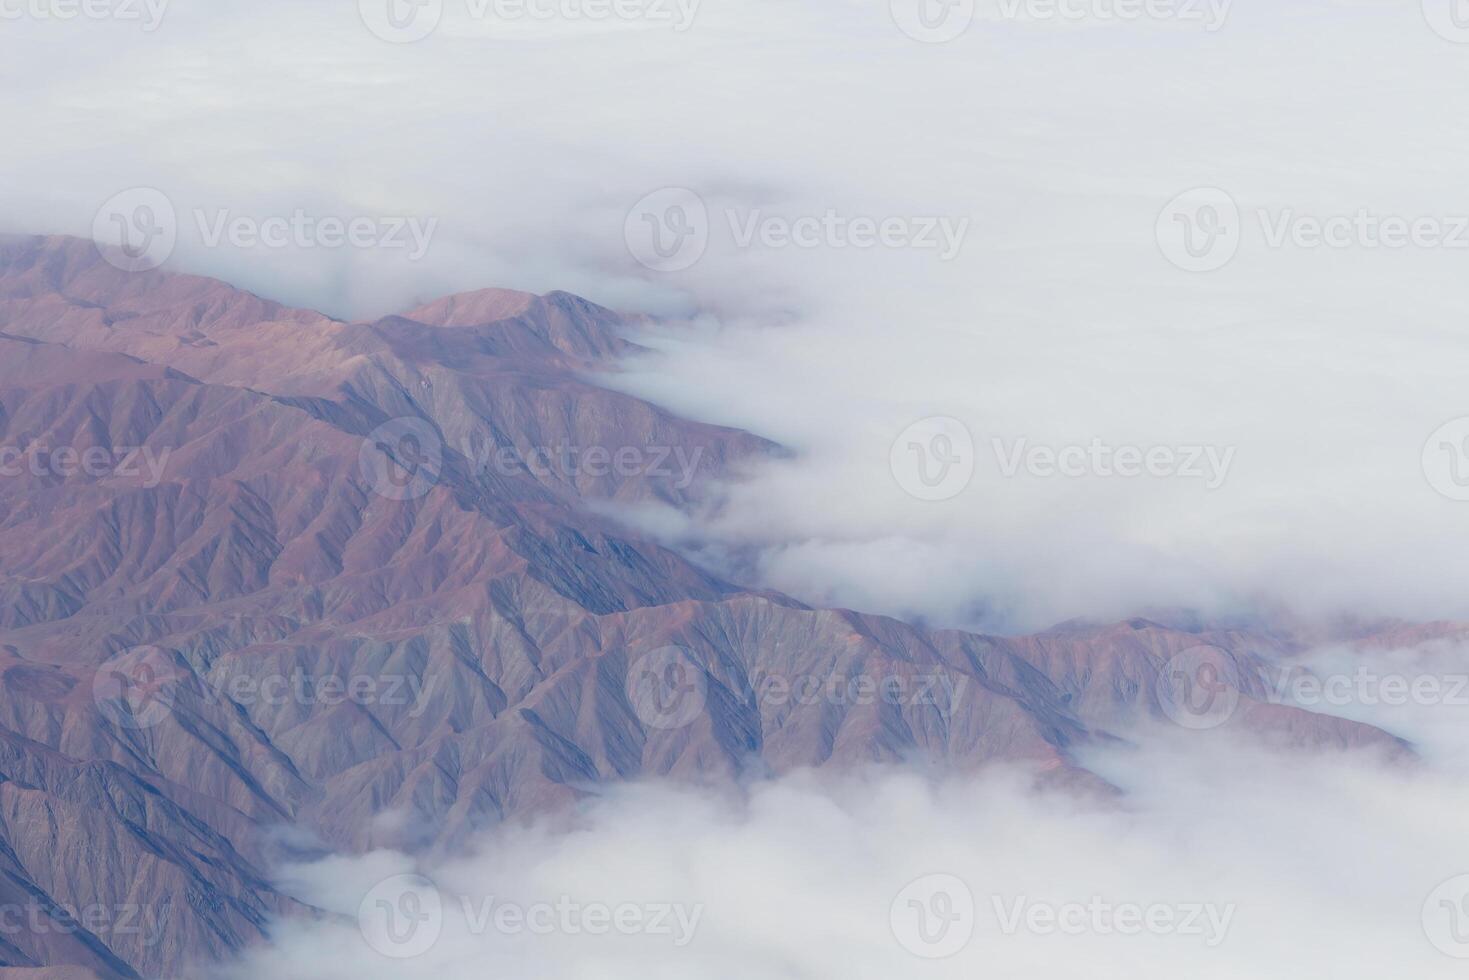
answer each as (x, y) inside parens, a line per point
(1060, 324)
(1221, 859)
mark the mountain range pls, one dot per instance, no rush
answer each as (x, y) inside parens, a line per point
(274, 584)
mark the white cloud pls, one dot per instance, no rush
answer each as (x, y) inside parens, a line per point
(1236, 859)
(1060, 321)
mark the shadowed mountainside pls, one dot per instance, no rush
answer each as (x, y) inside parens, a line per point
(261, 569)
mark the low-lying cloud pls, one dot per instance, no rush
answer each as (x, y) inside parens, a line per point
(1220, 858)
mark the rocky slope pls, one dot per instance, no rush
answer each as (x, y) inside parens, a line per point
(273, 582)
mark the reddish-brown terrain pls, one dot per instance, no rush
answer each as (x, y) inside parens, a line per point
(273, 621)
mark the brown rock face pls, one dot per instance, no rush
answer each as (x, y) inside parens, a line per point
(260, 569)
